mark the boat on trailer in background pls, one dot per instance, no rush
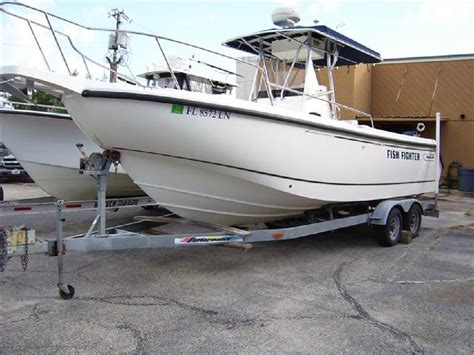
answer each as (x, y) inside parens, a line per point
(214, 158)
(51, 158)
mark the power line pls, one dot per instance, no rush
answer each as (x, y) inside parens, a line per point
(32, 45)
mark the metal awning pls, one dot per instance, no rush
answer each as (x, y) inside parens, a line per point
(350, 51)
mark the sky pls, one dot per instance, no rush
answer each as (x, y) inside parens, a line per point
(393, 28)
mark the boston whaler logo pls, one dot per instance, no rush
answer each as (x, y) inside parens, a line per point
(200, 112)
(429, 157)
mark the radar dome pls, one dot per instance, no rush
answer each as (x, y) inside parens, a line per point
(285, 17)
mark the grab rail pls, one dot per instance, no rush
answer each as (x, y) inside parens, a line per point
(157, 38)
(348, 108)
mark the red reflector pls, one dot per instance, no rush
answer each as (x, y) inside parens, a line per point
(19, 209)
(74, 205)
(278, 235)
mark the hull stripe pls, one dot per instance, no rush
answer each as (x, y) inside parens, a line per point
(276, 175)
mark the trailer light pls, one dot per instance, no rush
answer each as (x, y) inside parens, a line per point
(22, 208)
(74, 205)
(278, 235)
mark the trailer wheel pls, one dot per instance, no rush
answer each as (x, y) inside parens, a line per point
(390, 233)
(412, 221)
(67, 296)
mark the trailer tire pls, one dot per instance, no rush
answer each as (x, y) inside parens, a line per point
(412, 220)
(390, 233)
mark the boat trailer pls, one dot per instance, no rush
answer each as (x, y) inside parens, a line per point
(389, 217)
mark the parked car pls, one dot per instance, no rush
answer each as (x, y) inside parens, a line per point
(10, 168)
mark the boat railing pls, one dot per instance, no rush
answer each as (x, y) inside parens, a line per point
(345, 107)
(85, 58)
(259, 69)
(55, 32)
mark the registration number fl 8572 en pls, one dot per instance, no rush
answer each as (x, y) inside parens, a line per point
(200, 112)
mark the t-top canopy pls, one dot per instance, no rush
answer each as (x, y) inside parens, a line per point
(273, 43)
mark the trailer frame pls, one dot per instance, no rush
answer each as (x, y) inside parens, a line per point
(124, 237)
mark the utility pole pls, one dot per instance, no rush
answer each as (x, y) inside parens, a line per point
(117, 40)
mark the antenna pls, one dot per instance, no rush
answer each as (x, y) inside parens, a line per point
(118, 43)
(118, 15)
(285, 17)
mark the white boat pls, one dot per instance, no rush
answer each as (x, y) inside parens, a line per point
(44, 143)
(218, 159)
(244, 162)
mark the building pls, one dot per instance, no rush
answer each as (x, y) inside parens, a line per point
(400, 93)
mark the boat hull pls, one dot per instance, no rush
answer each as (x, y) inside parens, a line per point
(44, 144)
(234, 165)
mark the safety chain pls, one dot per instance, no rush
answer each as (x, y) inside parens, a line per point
(24, 258)
(3, 249)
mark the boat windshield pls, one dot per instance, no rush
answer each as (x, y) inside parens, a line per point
(191, 75)
(188, 82)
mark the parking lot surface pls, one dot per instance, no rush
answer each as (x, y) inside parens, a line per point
(332, 293)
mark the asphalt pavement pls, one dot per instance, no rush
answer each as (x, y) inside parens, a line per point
(332, 293)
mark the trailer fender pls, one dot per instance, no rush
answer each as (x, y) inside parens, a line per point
(380, 214)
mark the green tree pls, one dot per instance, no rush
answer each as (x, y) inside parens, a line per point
(41, 98)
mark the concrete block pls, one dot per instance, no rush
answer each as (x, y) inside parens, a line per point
(406, 237)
